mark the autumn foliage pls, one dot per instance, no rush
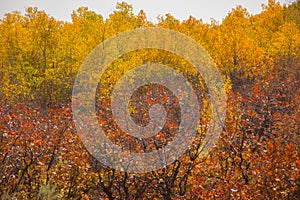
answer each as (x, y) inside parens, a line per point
(256, 157)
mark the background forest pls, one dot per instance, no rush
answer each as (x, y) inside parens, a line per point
(256, 157)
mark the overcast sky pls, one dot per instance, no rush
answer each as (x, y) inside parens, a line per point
(180, 9)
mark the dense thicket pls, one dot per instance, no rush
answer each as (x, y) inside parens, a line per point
(257, 156)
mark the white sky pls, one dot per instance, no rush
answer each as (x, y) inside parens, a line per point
(180, 9)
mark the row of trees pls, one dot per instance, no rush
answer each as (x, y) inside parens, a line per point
(256, 157)
(40, 55)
